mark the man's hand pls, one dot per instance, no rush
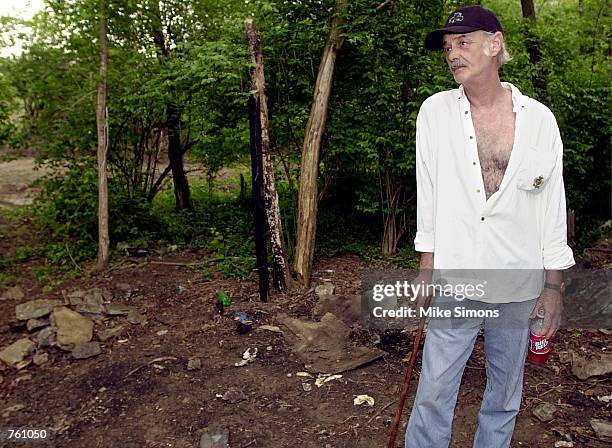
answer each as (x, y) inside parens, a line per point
(552, 303)
(421, 281)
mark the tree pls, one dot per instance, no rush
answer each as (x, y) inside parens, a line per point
(101, 119)
(309, 168)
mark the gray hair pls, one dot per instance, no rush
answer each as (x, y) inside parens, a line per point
(503, 56)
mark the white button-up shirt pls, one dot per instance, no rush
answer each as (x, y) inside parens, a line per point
(523, 224)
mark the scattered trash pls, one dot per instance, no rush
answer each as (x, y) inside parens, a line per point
(269, 348)
(215, 438)
(137, 252)
(243, 323)
(247, 357)
(361, 399)
(564, 444)
(272, 328)
(305, 374)
(194, 364)
(223, 298)
(307, 387)
(161, 332)
(325, 378)
(605, 398)
(544, 412)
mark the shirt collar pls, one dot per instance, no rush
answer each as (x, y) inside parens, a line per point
(518, 101)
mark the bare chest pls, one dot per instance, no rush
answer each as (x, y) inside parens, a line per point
(494, 139)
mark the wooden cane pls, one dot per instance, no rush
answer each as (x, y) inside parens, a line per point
(407, 376)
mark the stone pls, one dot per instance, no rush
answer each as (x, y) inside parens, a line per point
(17, 351)
(118, 309)
(35, 308)
(346, 307)
(545, 412)
(46, 337)
(584, 367)
(90, 301)
(125, 289)
(72, 327)
(15, 293)
(135, 317)
(41, 358)
(215, 438)
(194, 364)
(602, 428)
(109, 333)
(234, 395)
(325, 289)
(86, 350)
(33, 324)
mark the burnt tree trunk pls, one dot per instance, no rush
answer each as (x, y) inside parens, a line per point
(259, 207)
(175, 157)
(533, 49)
(309, 168)
(102, 128)
(273, 218)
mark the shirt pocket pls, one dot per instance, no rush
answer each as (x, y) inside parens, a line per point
(535, 171)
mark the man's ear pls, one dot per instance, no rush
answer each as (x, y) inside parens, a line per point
(496, 43)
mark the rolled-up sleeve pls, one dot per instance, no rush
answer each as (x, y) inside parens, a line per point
(556, 254)
(424, 240)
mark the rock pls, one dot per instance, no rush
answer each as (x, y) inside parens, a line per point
(135, 317)
(122, 245)
(46, 337)
(35, 308)
(545, 412)
(215, 438)
(40, 358)
(234, 395)
(90, 301)
(15, 293)
(72, 328)
(33, 324)
(17, 351)
(86, 350)
(109, 333)
(118, 309)
(125, 290)
(194, 364)
(325, 289)
(602, 428)
(346, 307)
(272, 328)
(576, 398)
(585, 368)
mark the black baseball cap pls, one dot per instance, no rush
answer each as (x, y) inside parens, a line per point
(464, 20)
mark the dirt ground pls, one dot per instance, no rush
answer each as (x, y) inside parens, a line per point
(139, 393)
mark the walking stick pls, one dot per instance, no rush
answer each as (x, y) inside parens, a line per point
(407, 376)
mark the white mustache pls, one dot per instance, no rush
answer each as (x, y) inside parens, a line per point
(458, 64)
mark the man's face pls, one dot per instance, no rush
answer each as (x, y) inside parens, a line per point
(465, 56)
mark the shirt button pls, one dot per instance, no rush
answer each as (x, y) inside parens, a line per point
(471, 137)
(474, 163)
(466, 112)
(482, 218)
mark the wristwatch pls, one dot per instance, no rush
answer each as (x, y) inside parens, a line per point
(560, 288)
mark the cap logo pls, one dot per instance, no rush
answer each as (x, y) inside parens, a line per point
(456, 17)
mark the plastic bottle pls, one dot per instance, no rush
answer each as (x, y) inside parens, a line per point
(539, 346)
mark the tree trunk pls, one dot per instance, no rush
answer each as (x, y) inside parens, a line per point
(279, 259)
(259, 207)
(175, 158)
(309, 169)
(102, 125)
(534, 51)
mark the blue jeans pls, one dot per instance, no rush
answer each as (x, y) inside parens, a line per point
(448, 345)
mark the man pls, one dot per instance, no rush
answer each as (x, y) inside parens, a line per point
(490, 196)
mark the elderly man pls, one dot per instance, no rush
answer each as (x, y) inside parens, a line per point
(490, 196)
